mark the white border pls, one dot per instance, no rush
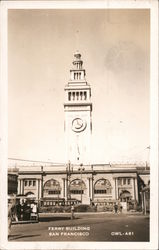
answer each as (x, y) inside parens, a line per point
(107, 4)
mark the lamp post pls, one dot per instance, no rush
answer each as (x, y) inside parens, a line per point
(92, 183)
(69, 171)
(42, 179)
(81, 169)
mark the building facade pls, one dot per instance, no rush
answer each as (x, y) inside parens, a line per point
(82, 184)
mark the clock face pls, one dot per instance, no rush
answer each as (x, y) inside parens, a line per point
(78, 125)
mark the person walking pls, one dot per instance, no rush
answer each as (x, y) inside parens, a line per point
(116, 208)
(72, 212)
(11, 214)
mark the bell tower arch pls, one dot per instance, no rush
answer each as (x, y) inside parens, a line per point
(78, 114)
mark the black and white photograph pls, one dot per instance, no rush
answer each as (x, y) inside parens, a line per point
(80, 151)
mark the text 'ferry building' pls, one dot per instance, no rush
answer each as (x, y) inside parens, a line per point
(78, 181)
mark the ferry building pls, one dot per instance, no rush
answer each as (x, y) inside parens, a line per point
(79, 181)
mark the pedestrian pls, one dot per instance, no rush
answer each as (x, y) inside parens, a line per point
(115, 208)
(11, 209)
(72, 212)
(26, 210)
(121, 208)
(34, 211)
(18, 210)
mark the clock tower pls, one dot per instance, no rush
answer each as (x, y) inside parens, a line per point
(78, 114)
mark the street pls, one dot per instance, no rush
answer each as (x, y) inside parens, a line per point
(85, 227)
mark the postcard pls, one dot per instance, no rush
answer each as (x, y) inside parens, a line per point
(79, 119)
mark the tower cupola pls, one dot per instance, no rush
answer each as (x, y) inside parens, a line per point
(77, 61)
(77, 73)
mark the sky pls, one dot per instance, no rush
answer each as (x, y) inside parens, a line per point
(114, 45)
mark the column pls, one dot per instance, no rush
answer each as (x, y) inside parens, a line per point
(116, 189)
(21, 186)
(90, 188)
(136, 190)
(66, 189)
(87, 186)
(144, 193)
(39, 188)
(18, 186)
(63, 188)
(142, 200)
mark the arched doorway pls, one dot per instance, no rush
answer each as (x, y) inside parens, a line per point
(125, 196)
(30, 195)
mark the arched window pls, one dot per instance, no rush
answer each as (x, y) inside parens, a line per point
(102, 186)
(77, 186)
(52, 187)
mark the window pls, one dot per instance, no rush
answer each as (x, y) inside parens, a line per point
(102, 186)
(76, 191)
(77, 186)
(129, 181)
(30, 183)
(124, 181)
(120, 181)
(69, 96)
(85, 95)
(73, 96)
(54, 192)
(100, 191)
(52, 187)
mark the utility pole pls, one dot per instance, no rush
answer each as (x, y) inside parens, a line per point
(81, 169)
(42, 172)
(69, 170)
(92, 183)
